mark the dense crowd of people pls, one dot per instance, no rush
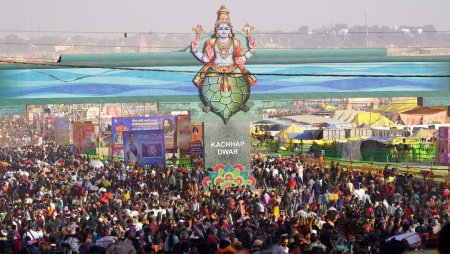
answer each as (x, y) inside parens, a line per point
(52, 200)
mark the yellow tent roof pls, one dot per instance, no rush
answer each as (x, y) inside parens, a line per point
(372, 120)
(305, 141)
(324, 142)
(293, 128)
(399, 106)
(423, 134)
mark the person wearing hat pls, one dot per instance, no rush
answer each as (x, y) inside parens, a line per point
(238, 245)
(257, 245)
(3, 235)
(316, 245)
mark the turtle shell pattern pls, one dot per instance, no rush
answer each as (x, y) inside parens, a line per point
(225, 104)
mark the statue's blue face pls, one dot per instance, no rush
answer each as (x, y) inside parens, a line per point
(223, 30)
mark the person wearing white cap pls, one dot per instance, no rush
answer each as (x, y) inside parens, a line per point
(315, 242)
(257, 245)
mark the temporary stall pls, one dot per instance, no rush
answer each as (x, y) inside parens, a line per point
(351, 150)
(359, 132)
(333, 134)
(375, 149)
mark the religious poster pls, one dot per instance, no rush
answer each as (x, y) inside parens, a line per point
(196, 143)
(89, 138)
(183, 132)
(122, 124)
(170, 134)
(144, 147)
(83, 137)
(77, 138)
(61, 126)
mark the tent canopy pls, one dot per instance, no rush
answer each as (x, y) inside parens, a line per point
(399, 106)
(291, 130)
(345, 115)
(318, 120)
(372, 120)
(270, 125)
(422, 133)
(423, 115)
(371, 143)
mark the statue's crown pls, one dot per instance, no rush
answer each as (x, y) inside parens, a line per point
(223, 16)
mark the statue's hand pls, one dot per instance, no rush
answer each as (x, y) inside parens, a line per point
(251, 44)
(209, 51)
(194, 45)
(239, 61)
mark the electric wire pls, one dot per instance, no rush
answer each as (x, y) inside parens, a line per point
(257, 74)
(254, 32)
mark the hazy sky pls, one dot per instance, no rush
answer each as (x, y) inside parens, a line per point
(181, 15)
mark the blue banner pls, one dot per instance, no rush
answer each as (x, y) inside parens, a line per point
(144, 147)
(122, 124)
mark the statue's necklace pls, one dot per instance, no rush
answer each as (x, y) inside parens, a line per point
(224, 48)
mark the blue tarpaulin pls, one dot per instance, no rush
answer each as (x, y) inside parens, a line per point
(307, 135)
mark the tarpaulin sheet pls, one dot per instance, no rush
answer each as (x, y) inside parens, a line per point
(372, 120)
(399, 106)
(351, 150)
(419, 118)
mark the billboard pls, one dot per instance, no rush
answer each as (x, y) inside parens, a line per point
(183, 132)
(61, 126)
(144, 147)
(83, 137)
(170, 134)
(122, 124)
(196, 143)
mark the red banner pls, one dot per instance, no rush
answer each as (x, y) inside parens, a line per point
(83, 137)
(184, 132)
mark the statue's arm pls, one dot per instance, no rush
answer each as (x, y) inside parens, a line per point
(252, 46)
(199, 55)
(243, 57)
